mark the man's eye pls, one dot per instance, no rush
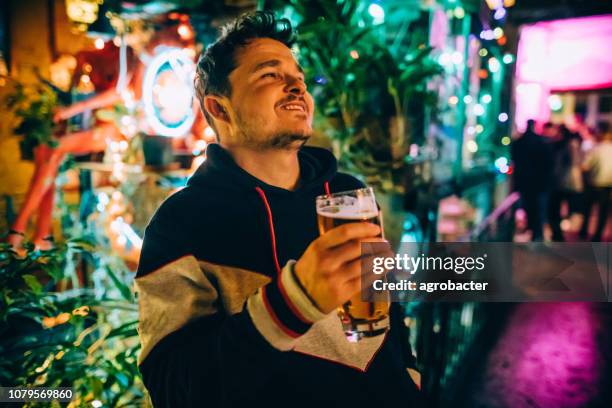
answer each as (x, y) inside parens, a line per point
(269, 75)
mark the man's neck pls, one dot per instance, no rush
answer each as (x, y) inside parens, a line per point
(276, 167)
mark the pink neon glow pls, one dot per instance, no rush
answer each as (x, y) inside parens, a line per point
(561, 55)
(548, 357)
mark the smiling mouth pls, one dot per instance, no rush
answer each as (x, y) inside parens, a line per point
(294, 107)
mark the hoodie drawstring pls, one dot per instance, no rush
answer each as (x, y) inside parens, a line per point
(271, 224)
(281, 288)
(263, 197)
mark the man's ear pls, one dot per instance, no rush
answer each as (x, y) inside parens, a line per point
(215, 108)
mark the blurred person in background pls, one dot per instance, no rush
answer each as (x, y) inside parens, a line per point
(598, 165)
(567, 184)
(532, 174)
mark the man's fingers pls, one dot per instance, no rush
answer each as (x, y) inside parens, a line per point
(353, 249)
(347, 232)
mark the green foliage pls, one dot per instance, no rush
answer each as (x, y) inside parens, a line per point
(55, 331)
(33, 107)
(363, 90)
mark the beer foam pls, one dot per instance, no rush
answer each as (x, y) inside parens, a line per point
(347, 213)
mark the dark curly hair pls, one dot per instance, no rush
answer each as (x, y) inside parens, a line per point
(216, 64)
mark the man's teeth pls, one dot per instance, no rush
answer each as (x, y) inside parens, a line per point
(294, 107)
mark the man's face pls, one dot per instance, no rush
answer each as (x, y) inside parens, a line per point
(270, 104)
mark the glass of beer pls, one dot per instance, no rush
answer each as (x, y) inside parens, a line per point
(359, 318)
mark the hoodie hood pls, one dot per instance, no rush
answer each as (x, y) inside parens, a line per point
(317, 166)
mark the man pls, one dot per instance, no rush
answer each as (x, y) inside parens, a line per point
(227, 318)
(598, 165)
(532, 160)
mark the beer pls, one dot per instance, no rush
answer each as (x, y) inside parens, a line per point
(359, 318)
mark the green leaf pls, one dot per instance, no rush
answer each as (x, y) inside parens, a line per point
(33, 283)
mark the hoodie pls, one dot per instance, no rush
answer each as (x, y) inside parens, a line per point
(223, 320)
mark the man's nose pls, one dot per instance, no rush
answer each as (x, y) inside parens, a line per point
(295, 86)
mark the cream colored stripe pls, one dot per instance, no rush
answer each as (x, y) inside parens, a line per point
(171, 297)
(187, 289)
(266, 325)
(297, 296)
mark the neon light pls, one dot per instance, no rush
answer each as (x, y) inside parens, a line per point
(561, 55)
(167, 92)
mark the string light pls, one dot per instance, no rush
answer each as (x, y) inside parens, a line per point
(184, 31)
(478, 110)
(472, 146)
(453, 100)
(494, 65)
(377, 13)
(500, 13)
(459, 12)
(486, 98)
(457, 58)
(467, 99)
(487, 34)
(503, 117)
(99, 44)
(555, 102)
(483, 52)
(505, 140)
(354, 54)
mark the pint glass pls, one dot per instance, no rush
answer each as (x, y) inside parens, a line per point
(359, 319)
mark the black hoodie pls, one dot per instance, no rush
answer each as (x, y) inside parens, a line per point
(223, 321)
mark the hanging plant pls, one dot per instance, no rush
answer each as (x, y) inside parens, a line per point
(33, 107)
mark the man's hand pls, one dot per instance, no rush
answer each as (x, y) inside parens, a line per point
(330, 269)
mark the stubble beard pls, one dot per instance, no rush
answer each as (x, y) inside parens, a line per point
(279, 141)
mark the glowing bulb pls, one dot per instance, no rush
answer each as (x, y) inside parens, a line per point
(494, 65)
(498, 33)
(467, 99)
(501, 162)
(472, 146)
(377, 13)
(500, 13)
(508, 59)
(99, 44)
(505, 140)
(209, 132)
(486, 98)
(445, 58)
(478, 110)
(354, 54)
(479, 128)
(459, 12)
(503, 117)
(487, 34)
(184, 31)
(453, 100)
(96, 404)
(555, 102)
(483, 52)
(457, 58)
